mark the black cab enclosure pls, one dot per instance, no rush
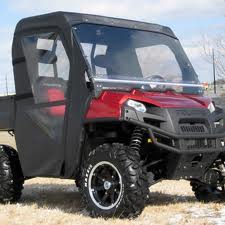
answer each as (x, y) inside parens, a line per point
(45, 53)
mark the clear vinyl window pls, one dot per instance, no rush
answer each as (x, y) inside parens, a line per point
(48, 66)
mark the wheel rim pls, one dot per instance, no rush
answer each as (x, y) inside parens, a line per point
(105, 185)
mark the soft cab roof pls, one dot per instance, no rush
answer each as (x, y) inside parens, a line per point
(65, 19)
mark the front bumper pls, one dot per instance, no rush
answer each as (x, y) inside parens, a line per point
(201, 143)
(188, 156)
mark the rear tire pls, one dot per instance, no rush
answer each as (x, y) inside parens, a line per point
(11, 176)
(207, 193)
(112, 182)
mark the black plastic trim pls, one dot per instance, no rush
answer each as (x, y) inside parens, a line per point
(137, 118)
(170, 135)
(101, 120)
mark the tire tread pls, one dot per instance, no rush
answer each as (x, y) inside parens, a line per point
(135, 196)
(11, 176)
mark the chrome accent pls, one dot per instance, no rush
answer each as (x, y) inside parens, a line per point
(90, 189)
(107, 185)
(104, 80)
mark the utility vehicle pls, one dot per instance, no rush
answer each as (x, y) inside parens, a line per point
(113, 104)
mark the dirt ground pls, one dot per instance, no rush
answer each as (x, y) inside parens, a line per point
(55, 201)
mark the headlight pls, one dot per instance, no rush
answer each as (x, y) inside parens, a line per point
(137, 105)
(211, 107)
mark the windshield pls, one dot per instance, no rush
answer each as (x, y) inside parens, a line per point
(131, 58)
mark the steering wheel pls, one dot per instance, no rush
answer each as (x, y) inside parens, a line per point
(156, 78)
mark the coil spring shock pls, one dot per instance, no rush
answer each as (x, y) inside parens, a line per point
(136, 139)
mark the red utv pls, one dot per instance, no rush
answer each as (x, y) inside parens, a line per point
(113, 104)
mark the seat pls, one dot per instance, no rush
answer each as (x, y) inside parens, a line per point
(50, 89)
(119, 62)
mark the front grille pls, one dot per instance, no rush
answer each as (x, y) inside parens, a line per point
(197, 128)
(190, 144)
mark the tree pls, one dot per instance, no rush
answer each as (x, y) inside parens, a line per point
(215, 45)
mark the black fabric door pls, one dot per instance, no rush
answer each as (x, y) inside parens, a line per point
(40, 119)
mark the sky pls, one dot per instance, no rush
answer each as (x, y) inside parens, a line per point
(189, 19)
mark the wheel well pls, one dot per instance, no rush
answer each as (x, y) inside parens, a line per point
(108, 132)
(95, 134)
(98, 133)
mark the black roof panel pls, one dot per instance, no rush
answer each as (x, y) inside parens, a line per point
(65, 19)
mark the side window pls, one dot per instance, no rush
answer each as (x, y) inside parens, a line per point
(48, 67)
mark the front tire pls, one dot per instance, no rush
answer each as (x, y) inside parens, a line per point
(11, 176)
(112, 182)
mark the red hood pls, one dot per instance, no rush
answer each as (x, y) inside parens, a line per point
(175, 100)
(109, 104)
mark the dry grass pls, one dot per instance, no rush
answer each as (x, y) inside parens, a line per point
(55, 201)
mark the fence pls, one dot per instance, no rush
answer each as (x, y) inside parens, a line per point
(7, 85)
